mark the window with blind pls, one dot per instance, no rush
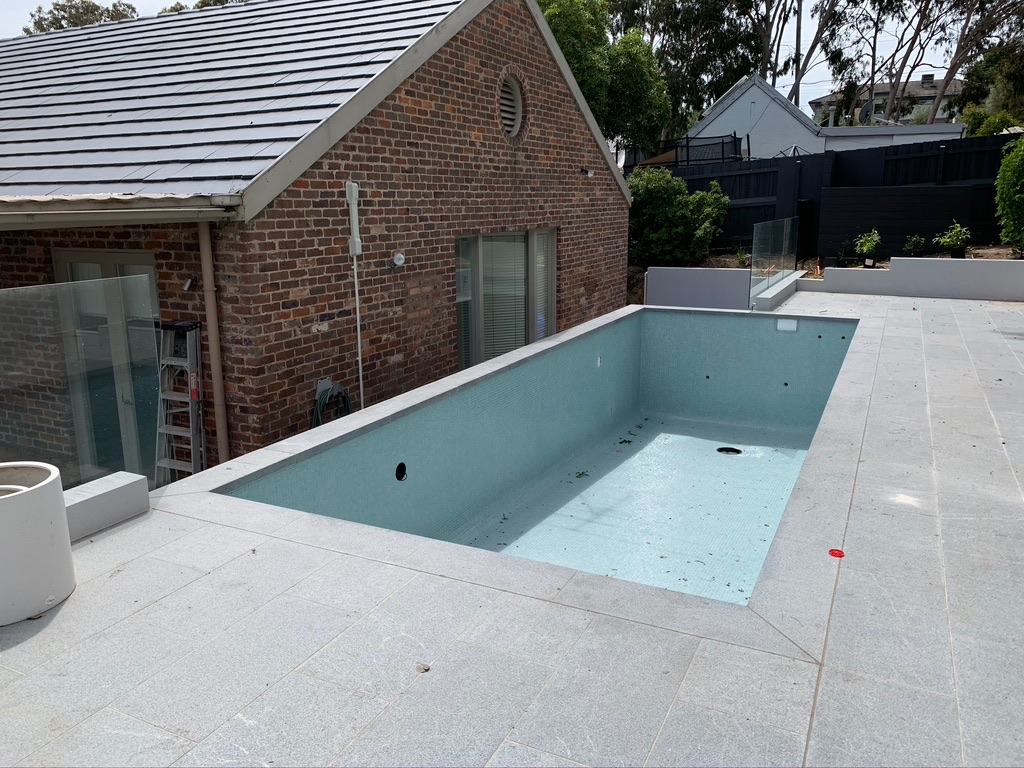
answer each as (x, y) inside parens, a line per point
(505, 292)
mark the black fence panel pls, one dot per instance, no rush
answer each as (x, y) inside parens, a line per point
(908, 189)
(899, 212)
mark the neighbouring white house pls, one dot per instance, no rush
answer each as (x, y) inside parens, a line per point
(771, 125)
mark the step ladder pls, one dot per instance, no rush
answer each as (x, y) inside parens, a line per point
(180, 443)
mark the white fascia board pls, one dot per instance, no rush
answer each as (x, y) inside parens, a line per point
(66, 219)
(114, 202)
(276, 178)
(570, 80)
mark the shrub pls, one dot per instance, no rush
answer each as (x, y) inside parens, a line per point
(1010, 195)
(973, 118)
(668, 226)
(915, 245)
(844, 253)
(957, 236)
(997, 123)
(868, 243)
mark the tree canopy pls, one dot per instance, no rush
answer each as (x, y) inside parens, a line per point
(993, 94)
(621, 82)
(669, 226)
(702, 47)
(67, 14)
(1010, 194)
(179, 6)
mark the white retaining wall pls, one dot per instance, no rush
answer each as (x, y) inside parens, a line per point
(697, 287)
(980, 279)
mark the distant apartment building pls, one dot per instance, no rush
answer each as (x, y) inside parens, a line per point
(915, 95)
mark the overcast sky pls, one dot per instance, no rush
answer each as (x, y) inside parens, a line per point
(14, 14)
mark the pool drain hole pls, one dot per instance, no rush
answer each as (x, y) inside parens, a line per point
(400, 473)
(729, 451)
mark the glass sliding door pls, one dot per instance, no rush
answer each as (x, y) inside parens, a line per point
(112, 362)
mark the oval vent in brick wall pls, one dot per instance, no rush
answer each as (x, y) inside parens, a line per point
(511, 106)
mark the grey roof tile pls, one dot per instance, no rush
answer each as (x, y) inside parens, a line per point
(190, 103)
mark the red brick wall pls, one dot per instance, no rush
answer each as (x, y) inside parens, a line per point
(434, 165)
(35, 406)
(27, 258)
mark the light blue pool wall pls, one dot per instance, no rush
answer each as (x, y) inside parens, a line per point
(471, 444)
(739, 368)
(490, 435)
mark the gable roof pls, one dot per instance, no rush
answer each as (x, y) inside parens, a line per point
(739, 88)
(205, 114)
(744, 84)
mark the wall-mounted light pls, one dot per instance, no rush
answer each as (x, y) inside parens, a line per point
(398, 261)
(588, 172)
(190, 282)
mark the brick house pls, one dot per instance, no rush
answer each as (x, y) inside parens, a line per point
(219, 143)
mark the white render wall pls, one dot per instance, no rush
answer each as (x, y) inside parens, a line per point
(979, 279)
(697, 287)
(772, 128)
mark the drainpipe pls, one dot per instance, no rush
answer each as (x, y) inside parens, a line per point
(220, 413)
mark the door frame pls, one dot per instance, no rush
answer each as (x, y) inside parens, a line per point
(108, 261)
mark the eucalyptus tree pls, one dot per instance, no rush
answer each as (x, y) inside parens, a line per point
(702, 46)
(68, 14)
(620, 80)
(973, 26)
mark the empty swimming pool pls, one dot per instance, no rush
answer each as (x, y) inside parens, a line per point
(657, 446)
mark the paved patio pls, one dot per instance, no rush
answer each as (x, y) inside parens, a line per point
(213, 631)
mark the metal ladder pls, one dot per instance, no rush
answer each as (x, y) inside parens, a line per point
(180, 442)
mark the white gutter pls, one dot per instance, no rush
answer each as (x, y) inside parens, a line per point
(213, 336)
(10, 221)
(73, 211)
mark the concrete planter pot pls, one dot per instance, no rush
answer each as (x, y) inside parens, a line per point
(36, 570)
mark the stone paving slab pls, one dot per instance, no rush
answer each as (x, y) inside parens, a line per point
(110, 738)
(448, 718)
(607, 701)
(694, 736)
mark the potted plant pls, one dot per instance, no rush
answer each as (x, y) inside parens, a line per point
(866, 246)
(955, 240)
(914, 246)
(36, 570)
(843, 253)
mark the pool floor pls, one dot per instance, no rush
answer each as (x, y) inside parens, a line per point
(654, 502)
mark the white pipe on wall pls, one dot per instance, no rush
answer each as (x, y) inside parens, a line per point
(355, 247)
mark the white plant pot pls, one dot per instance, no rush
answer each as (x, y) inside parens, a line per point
(36, 570)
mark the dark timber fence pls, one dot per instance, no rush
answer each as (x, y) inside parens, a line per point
(908, 189)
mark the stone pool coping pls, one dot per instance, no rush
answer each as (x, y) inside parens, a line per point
(786, 614)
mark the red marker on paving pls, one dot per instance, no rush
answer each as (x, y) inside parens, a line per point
(838, 553)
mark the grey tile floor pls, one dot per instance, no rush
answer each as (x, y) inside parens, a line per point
(216, 632)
